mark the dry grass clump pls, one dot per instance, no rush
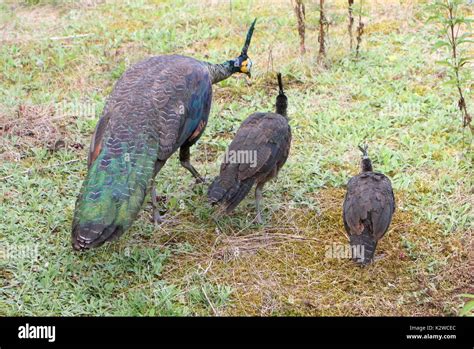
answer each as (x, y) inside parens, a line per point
(34, 127)
(31, 126)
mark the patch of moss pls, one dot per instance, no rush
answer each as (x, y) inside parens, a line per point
(290, 275)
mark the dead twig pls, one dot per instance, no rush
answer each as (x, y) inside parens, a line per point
(351, 23)
(209, 301)
(300, 16)
(322, 33)
(360, 30)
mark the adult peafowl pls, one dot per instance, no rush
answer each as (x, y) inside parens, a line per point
(157, 106)
(265, 137)
(368, 208)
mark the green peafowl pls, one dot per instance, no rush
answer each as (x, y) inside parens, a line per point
(157, 106)
(367, 211)
(268, 137)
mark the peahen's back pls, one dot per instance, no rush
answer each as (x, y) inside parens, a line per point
(369, 202)
(154, 108)
(155, 98)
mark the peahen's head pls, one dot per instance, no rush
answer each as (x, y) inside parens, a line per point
(366, 163)
(243, 64)
(281, 100)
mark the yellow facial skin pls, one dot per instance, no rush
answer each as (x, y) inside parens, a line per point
(246, 65)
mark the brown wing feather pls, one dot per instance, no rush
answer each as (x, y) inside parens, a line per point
(96, 143)
(370, 201)
(264, 134)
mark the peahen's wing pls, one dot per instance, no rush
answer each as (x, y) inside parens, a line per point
(383, 205)
(96, 143)
(369, 200)
(164, 97)
(355, 206)
(265, 136)
(181, 101)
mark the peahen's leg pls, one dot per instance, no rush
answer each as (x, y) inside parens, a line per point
(184, 158)
(258, 198)
(157, 219)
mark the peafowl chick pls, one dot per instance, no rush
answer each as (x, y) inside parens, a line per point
(158, 106)
(263, 137)
(367, 211)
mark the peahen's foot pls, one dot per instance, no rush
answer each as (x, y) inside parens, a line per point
(158, 219)
(258, 199)
(156, 200)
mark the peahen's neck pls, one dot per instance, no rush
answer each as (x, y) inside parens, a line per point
(281, 106)
(221, 71)
(366, 165)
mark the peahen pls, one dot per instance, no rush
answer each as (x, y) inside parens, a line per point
(157, 106)
(367, 211)
(263, 143)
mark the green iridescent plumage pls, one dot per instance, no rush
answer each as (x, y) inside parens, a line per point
(115, 188)
(158, 106)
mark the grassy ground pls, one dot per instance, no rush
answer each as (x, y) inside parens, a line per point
(58, 63)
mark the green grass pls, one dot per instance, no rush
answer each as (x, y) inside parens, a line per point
(393, 97)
